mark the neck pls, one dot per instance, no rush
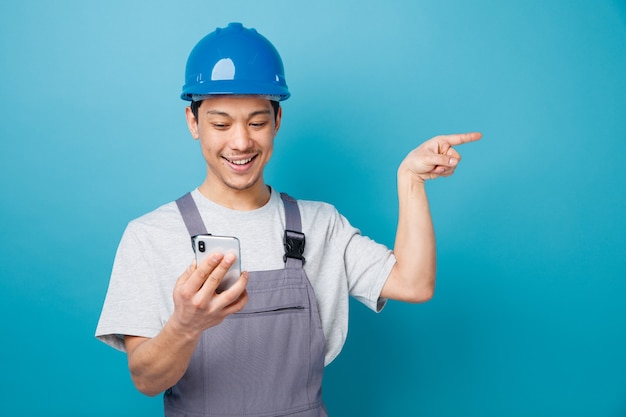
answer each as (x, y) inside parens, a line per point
(242, 200)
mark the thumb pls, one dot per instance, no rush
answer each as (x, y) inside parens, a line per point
(436, 160)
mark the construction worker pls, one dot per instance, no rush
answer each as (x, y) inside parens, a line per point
(259, 347)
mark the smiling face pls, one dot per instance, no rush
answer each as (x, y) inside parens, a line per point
(236, 134)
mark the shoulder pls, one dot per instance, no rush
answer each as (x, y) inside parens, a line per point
(317, 210)
(166, 212)
(322, 217)
(165, 219)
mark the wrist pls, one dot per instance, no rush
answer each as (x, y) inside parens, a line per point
(406, 175)
(180, 331)
(409, 180)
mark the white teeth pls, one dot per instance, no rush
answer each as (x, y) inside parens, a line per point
(241, 162)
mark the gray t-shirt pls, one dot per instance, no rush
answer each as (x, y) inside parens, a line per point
(156, 248)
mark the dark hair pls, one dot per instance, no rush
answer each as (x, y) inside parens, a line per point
(195, 105)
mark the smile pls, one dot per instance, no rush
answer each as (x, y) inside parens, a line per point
(240, 161)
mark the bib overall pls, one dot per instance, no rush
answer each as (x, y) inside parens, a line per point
(266, 360)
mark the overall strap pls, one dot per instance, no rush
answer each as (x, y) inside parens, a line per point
(191, 215)
(293, 239)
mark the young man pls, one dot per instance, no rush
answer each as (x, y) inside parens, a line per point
(259, 347)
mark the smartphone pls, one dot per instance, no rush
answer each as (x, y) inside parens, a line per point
(204, 245)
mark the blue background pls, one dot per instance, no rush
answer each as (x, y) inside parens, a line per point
(529, 316)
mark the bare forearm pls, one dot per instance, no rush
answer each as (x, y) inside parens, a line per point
(413, 277)
(157, 364)
(414, 248)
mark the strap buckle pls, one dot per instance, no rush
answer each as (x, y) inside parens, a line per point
(294, 245)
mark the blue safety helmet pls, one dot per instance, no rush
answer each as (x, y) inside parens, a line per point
(234, 60)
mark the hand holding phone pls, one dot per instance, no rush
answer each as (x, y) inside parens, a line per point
(204, 245)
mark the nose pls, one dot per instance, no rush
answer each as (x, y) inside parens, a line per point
(241, 139)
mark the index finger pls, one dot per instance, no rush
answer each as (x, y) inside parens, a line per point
(203, 270)
(461, 138)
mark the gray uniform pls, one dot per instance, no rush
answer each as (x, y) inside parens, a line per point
(155, 250)
(266, 360)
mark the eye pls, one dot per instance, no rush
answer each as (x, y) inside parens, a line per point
(220, 126)
(258, 125)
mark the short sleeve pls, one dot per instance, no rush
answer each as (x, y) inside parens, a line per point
(367, 263)
(131, 305)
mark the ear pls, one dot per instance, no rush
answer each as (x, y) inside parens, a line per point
(192, 123)
(279, 117)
